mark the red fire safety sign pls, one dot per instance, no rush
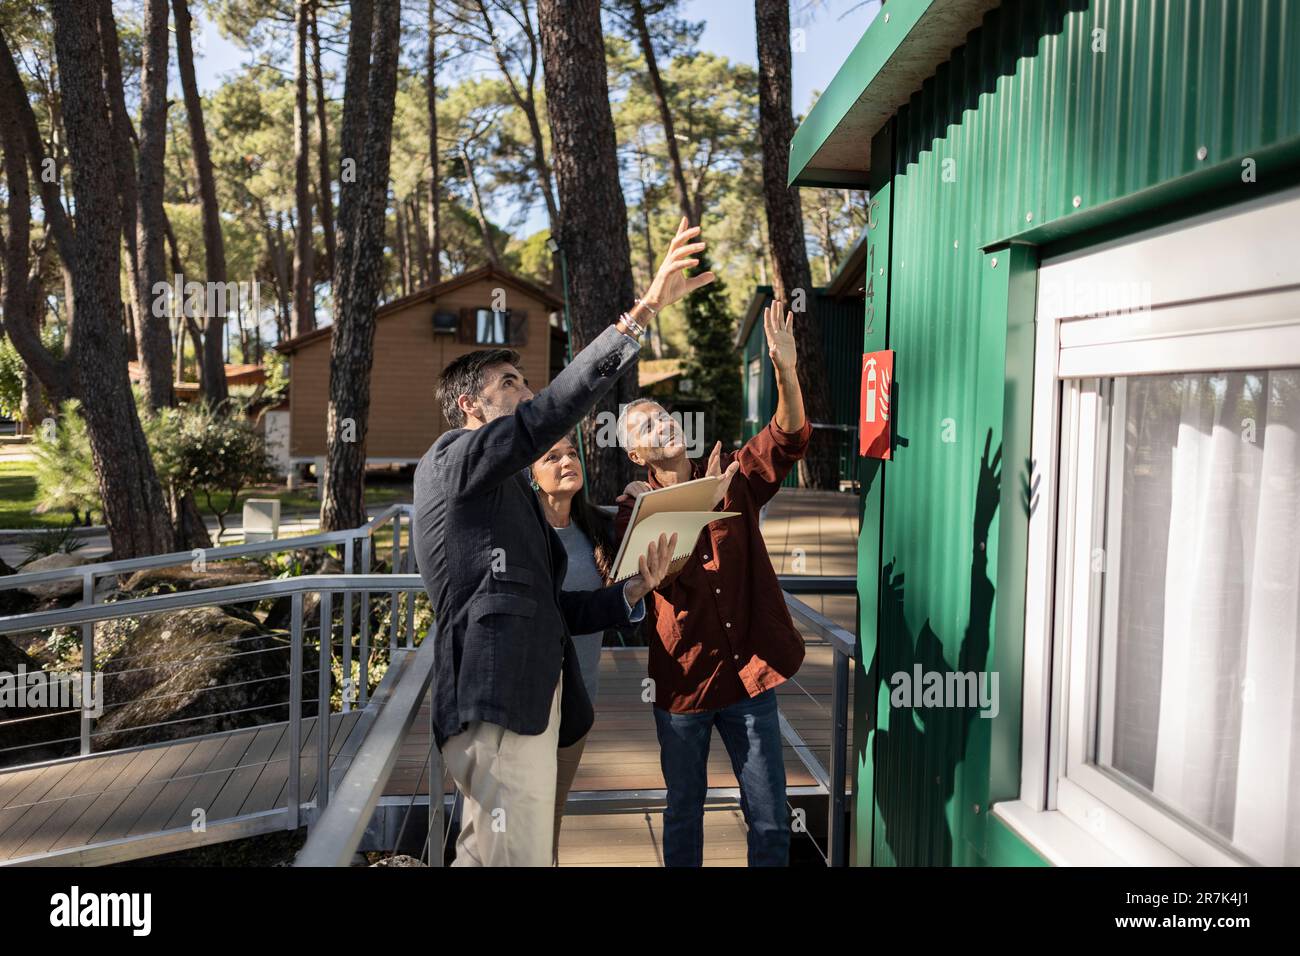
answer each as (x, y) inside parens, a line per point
(873, 414)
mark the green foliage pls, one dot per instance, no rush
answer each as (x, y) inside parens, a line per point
(61, 540)
(65, 474)
(713, 365)
(211, 454)
(11, 369)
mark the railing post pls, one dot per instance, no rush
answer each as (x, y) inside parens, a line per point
(348, 556)
(435, 792)
(839, 743)
(87, 657)
(396, 567)
(410, 569)
(363, 691)
(323, 700)
(295, 711)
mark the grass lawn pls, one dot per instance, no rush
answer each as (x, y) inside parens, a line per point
(18, 498)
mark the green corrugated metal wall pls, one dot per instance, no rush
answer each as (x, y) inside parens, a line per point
(1001, 140)
(841, 334)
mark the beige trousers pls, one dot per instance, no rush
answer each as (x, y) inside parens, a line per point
(508, 783)
(566, 767)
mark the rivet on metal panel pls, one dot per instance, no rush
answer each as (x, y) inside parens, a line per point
(995, 262)
(1078, 201)
(882, 270)
(1029, 217)
(977, 808)
(886, 17)
(1202, 153)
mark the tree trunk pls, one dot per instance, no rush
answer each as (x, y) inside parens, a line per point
(304, 290)
(435, 181)
(134, 508)
(154, 336)
(792, 278)
(17, 305)
(325, 197)
(120, 131)
(665, 114)
(213, 368)
(419, 235)
(593, 216)
(525, 98)
(359, 274)
(484, 227)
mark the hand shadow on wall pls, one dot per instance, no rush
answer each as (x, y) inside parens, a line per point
(917, 755)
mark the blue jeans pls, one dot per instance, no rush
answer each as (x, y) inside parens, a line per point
(751, 733)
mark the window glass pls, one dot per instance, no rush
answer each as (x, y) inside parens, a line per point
(1195, 603)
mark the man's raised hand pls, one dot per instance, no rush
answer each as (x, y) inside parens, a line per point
(778, 325)
(715, 471)
(671, 282)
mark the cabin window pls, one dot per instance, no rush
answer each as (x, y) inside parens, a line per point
(492, 327)
(754, 386)
(1162, 666)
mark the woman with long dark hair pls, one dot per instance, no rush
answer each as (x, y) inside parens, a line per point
(587, 534)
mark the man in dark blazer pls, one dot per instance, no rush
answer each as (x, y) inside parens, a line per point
(507, 691)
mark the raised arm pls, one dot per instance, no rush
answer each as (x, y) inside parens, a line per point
(484, 457)
(766, 459)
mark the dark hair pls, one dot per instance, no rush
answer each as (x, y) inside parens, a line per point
(593, 522)
(595, 525)
(464, 376)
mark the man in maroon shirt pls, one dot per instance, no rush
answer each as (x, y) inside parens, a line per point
(724, 637)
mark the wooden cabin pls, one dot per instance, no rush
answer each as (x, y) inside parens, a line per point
(416, 336)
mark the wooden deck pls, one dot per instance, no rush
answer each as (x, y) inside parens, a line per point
(105, 808)
(141, 802)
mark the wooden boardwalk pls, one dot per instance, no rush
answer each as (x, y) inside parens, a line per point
(107, 807)
(618, 790)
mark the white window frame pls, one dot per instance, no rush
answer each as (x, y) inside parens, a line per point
(1193, 275)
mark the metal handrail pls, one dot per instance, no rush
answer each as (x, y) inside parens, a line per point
(339, 830)
(222, 553)
(227, 594)
(327, 585)
(844, 646)
(348, 538)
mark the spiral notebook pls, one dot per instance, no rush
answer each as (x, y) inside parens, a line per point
(683, 509)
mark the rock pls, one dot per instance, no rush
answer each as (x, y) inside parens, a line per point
(33, 736)
(280, 614)
(399, 860)
(185, 578)
(197, 671)
(54, 589)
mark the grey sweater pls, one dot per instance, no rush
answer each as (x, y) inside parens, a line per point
(582, 575)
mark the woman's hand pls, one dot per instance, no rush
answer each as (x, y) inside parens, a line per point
(671, 282)
(715, 471)
(633, 491)
(652, 568)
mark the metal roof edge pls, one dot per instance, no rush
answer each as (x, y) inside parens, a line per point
(900, 49)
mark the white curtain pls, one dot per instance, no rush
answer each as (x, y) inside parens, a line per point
(1207, 713)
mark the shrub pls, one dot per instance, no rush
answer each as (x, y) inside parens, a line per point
(65, 474)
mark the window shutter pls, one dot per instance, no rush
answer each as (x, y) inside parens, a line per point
(468, 330)
(517, 320)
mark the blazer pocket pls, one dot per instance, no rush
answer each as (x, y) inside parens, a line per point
(514, 574)
(487, 604)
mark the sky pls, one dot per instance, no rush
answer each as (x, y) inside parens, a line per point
(831, 28)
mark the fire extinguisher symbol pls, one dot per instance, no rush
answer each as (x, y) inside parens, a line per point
(876, 399)
(870, 400)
